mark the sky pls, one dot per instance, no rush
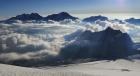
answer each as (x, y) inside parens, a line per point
(9, 8)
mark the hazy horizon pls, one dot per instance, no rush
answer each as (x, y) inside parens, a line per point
(120, 9)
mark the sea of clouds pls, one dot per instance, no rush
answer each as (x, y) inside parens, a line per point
(42, 42)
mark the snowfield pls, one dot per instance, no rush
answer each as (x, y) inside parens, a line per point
(98, 68)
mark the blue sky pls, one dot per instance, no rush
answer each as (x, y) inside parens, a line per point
(10, 8)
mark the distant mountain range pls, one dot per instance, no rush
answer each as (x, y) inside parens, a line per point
(59, 17)
(106, 44)
(95, 18)
(36, 17)
(133, 21)
(119, 21)
(25, 17)
(62, 16)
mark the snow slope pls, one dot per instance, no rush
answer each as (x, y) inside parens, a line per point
(98, 68)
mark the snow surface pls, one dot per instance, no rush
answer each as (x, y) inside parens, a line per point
(98, 68)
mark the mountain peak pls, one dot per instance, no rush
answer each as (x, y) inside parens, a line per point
(60, 16)
(35, 16)
(111, 30)
(95, 18)
(64, 13)
(133, 21)
(106, 44)
(25, 17)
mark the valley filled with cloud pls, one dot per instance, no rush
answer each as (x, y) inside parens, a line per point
(35, 44)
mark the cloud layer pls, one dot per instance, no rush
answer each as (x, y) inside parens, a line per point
(41, 43)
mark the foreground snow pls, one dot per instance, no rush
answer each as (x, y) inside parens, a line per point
(98, 68)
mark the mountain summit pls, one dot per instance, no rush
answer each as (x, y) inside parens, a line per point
(95, 18)
(35, 16)
(25, 17)
(106, 44)
(60, 16)
(133, 21)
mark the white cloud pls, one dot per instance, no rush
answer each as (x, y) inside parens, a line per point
(33, 40)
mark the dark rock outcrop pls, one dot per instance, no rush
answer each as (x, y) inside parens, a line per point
(119, 21)
(106, 44)
(35, 17)
(60, 16)
(92, 19)
(133, 21)
(25, 17)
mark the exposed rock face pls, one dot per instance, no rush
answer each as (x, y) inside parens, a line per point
(119, 21)
(60, 16)
(25, 17)
(106, 44)
(37, 18)
(95, 18)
